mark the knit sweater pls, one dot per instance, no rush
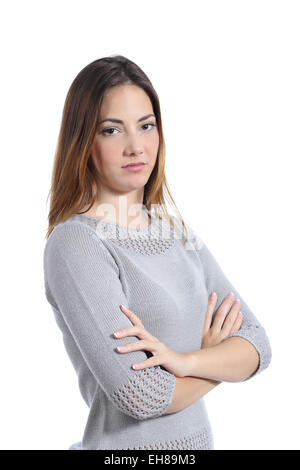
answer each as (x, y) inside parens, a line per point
(91, 266)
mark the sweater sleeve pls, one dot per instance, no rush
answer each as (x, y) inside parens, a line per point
(217, 281)
(82, 283)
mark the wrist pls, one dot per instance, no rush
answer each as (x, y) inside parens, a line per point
(193, 361)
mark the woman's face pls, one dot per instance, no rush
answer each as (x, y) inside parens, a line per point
(134, 140)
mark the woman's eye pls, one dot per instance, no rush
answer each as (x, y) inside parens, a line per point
(149, 124)
(104, 132)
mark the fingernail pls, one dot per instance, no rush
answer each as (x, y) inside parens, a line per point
(213, 295)
(123, 306)
(231, 295)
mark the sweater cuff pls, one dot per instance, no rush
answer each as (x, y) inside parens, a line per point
(147, 395)
(256, 335)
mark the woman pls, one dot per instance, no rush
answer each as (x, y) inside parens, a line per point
(107, 247)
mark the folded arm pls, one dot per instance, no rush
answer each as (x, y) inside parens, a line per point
(233, 360)
(243, 354)
(82, 285)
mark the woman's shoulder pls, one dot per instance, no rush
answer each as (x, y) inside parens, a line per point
(73, 232)
(193, 237)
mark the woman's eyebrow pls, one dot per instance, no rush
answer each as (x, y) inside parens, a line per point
(121, 122)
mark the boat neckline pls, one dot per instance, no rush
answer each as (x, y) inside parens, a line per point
(123, 227)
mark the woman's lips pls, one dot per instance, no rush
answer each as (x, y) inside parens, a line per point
(135, 167)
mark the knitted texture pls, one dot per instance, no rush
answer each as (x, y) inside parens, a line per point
(146, 395)
(91, 266)
(201, 440)
(152, 240)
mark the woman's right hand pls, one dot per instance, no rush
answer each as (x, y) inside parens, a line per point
(216, 332)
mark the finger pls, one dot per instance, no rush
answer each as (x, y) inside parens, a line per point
(237, 324)
(132, 316)
(222, 312)
(212, 301)
(144, 345)
(231, 317)
(132, 331)
(151, 362)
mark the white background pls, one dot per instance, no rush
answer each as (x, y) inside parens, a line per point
(227, 74)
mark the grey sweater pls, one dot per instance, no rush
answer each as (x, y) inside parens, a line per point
(91, 266)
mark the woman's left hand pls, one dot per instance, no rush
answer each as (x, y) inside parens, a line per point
(176, 363)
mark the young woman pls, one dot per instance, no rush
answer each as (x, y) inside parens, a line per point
(111, 241)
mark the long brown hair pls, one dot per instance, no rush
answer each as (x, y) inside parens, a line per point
(74, 181)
